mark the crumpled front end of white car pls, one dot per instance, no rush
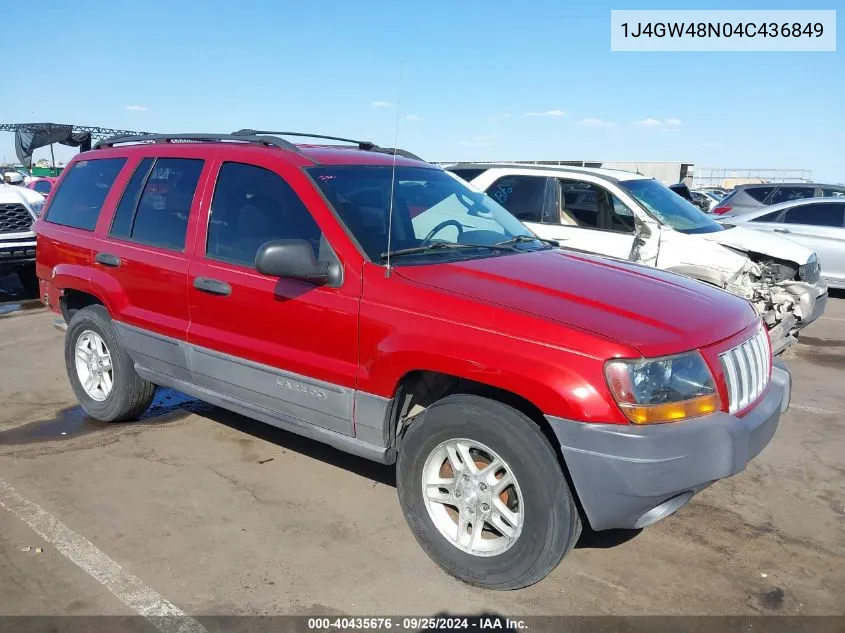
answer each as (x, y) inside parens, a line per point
(787, 295)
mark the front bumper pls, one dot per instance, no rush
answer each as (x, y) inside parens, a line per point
(16, 252)
(629, 476)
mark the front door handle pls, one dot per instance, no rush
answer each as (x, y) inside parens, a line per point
(781, 230)
(107, 259)
(212, 286)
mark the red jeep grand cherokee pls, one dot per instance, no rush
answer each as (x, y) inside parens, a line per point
(372, 301)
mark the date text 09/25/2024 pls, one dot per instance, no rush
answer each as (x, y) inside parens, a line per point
(476, 623)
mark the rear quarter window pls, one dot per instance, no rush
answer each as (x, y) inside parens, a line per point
(759, 193)
(77, 202)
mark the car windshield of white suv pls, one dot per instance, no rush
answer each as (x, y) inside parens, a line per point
(669, 208)
(435, 214)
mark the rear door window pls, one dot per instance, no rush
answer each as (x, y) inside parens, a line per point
(523, 196)
(157, 215)
(825, 214)
(83, 190)
(787, 193)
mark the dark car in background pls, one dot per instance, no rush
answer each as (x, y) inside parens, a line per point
(42, 184)
(750, 197)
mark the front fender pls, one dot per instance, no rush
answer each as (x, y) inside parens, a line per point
(540, 375)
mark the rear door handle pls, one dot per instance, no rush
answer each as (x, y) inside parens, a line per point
(107, 259)
(781, 230)
(212, 286)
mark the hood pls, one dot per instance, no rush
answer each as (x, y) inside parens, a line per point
(657, 312)
(760, 242)
(16, 194)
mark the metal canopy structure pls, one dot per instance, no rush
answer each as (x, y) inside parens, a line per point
(31, 136)
(95, 132)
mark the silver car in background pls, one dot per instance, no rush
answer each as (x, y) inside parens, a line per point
(817, 223)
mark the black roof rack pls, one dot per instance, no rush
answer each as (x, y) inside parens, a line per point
(368, 146)
(207, 138)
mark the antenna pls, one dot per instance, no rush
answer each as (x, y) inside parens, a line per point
(393, 171)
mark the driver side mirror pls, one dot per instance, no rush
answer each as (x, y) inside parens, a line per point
(294, 259)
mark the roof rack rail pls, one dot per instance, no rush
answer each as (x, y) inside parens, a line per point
(368, 146)
(205, 138)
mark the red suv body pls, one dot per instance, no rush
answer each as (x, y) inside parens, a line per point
(521, 388)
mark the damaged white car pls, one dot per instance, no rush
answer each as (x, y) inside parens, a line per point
(628, 216)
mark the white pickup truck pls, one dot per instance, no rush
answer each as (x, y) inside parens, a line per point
(19, 207)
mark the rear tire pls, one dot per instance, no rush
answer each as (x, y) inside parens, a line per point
(100, 370)
(543, 523)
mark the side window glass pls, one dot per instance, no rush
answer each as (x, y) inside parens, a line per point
(251, 206)
(833, 193)
(523, 196)
(42, 186)
(768, 217)
(758, 193)
(620, 216)
(121, 224)
(588, 205)
(161, 215)
(785, 194)
(79, 199)
(824, 214)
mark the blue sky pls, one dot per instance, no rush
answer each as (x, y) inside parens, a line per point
(489, 80)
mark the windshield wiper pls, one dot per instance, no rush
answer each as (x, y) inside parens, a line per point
(519, 239)
(437, 245)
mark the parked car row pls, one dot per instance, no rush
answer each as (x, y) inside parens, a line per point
(635, 218)
(370, 300)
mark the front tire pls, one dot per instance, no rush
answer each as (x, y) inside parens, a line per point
(100, 370)
(484, 494)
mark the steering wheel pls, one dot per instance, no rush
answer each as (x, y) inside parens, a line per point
(442, 226)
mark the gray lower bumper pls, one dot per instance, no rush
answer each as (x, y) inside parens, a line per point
(629, 476)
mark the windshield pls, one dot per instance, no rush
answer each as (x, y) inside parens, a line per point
(430, 206)
(670, 208)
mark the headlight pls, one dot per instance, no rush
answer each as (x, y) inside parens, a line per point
(811, 271)
(664, 389)
(37, 207)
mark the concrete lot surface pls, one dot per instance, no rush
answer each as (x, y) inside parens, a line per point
(206, 512)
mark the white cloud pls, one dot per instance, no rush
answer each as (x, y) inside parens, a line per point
(547, 113)
(477, 141)
(591, 122)
(382, 104)
(136, 108)
(668, 125)
(413, 117)
(498, 117)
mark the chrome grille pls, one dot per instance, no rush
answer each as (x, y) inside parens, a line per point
(14, 218)
(747, 367)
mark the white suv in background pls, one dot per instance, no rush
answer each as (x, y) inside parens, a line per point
(632, 217)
